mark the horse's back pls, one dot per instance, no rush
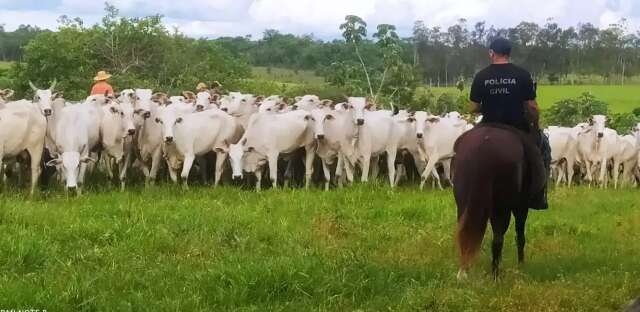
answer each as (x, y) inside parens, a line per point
(489, 161)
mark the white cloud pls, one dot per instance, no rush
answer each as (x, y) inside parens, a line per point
(322, 17)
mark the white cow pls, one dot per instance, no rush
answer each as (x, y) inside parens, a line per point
(436, 138)
(149, 141)
(22, 128)
(627, 156)
(274, 104)
(596, 145)
(377, 133)
(187, 135)
(564, 151)
(334, 132)
(309, 102)
(241, 106)
(269, 135)
(74, 127)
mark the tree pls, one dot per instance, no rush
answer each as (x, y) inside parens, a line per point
(354, 29)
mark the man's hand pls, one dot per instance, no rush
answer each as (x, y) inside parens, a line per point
(533, 112)
(474, 107)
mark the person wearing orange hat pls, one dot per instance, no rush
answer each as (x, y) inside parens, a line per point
(102, 86)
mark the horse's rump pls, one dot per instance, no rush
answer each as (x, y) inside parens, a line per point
(489, 166)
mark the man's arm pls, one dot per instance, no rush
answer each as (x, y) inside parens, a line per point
(475, 96)
(474, 107)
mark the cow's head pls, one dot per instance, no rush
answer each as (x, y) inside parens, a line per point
(422, 121)
(273, 104)
(237, 103)
(598, 124)
(169, 117)
(319, 117)
(69, 165)
(115, 126)
(204, 100)
(236, 155)
(307, 102)
(43, 98)
(359, 106)
(143, 99)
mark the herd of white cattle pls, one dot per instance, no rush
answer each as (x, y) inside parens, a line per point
(139, 129)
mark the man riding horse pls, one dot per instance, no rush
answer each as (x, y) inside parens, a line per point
(505, 94)
(498, 166)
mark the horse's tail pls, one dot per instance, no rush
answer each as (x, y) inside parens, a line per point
(471, 227)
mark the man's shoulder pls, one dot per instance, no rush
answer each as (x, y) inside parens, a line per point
(521, 70)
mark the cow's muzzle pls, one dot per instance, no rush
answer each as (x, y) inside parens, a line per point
(47, 111)
(146, 115)
(168, 139)
(360, 122)
(320, 136)
(131, 131)
(419, 135)
(600, 135)
(237, 177)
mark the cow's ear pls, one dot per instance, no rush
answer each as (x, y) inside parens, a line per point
(179, 120)
(411, 119)
(282, 105)
(326, 103)
(54, 162)
(113, 110)
(214, 98)
(250, 149)
(58, 95)
(7, 93)
(86, 159)
(259, 99)
(433, 119)
(329, 117)
(298, 98)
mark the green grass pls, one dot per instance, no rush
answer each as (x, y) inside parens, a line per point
(364, 248)
(286, 75)
(5, 65)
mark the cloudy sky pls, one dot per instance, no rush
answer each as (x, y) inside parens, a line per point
(214, 18)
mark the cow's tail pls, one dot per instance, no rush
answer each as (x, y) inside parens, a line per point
(470, 230)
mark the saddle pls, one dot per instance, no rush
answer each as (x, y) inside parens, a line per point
(535, 172)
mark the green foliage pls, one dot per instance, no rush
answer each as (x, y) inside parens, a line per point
(139, 52)
(570, 112)
(354, 29)
(441, 103)
(622, 122)
(636, 111)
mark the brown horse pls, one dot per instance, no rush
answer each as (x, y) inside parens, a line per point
(488, 186)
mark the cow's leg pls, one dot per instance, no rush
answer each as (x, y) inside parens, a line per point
(259, 172)
(616, 173)
(156, 160)
(186, 168)
(327, 174)
(202, 165)
(446, 164)
(348, 168)
(431, 165)
(391, 165)
(173, 173)
(570, 163)
(374, 167)
(339, 170)
(308, 165)
(2, 173)
(35, 153)
(124, 167)
(273, 168)
(366, 160)
(401, 171)
(220, 158)
(603, 173)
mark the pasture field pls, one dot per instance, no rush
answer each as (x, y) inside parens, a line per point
(620, 99)
(363, 248)
(286, 75)
(5, 65)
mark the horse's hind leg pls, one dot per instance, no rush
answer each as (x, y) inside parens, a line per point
(499, 226)
(521, 219)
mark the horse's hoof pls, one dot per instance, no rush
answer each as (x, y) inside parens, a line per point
(462, 275)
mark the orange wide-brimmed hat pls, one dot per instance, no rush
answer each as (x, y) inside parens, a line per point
(102, 75)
